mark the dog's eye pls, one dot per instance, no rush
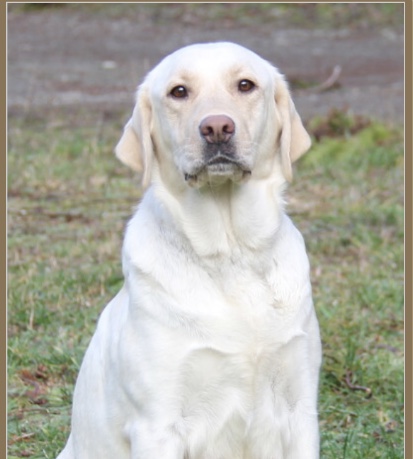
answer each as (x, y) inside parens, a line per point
(179, 92)
(246, 86)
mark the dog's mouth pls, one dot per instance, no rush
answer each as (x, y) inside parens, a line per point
(221, 159)
(219, 167)
(220, 162)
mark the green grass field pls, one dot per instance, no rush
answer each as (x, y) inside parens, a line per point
(69, 200)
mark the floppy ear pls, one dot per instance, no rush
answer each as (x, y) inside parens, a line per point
(294, 141)
(135, 148)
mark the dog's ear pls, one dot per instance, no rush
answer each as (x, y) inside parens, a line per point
(294, 139)
(135, 147)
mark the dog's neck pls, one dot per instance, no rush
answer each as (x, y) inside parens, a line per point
(228, 219)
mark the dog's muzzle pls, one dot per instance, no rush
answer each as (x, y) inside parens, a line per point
(219, 151)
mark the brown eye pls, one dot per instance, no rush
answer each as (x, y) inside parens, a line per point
(179, 92)
(246, 86)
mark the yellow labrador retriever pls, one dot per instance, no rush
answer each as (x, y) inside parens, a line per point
(211, 350)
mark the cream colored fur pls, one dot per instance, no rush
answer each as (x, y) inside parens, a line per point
(211, 350)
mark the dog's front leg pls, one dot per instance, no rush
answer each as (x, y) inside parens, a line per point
(153, 440)
(301, 394)
(304, 439)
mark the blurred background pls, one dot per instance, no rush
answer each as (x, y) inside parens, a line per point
(74, 54)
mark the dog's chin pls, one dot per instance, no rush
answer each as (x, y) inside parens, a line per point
(218, 173)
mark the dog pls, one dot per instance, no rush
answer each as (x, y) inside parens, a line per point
(211, 349)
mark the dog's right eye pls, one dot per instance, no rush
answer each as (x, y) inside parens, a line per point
(246, 86)
(179, 92)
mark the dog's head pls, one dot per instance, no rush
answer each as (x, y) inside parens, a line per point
(210, 113)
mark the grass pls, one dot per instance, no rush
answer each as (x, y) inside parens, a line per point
(68, 205)
(353, 226)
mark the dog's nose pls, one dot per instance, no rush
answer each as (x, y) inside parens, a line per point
(217, 128)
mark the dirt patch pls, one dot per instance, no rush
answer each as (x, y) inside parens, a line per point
(80, 56)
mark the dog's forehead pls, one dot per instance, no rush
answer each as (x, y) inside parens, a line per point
(209, 59)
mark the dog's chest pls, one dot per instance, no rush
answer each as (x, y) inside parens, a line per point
(245, 298)
(239, 326)
(234, 377)
(220, 329)
(255, 292)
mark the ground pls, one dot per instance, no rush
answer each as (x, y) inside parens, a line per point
(95, 56)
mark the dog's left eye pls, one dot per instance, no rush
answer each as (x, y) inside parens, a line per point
(246, 86)
(179, 92)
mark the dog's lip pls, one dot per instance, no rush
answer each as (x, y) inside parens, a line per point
(216, 168)
(221, 159)
(217, 165)
(190, 177)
